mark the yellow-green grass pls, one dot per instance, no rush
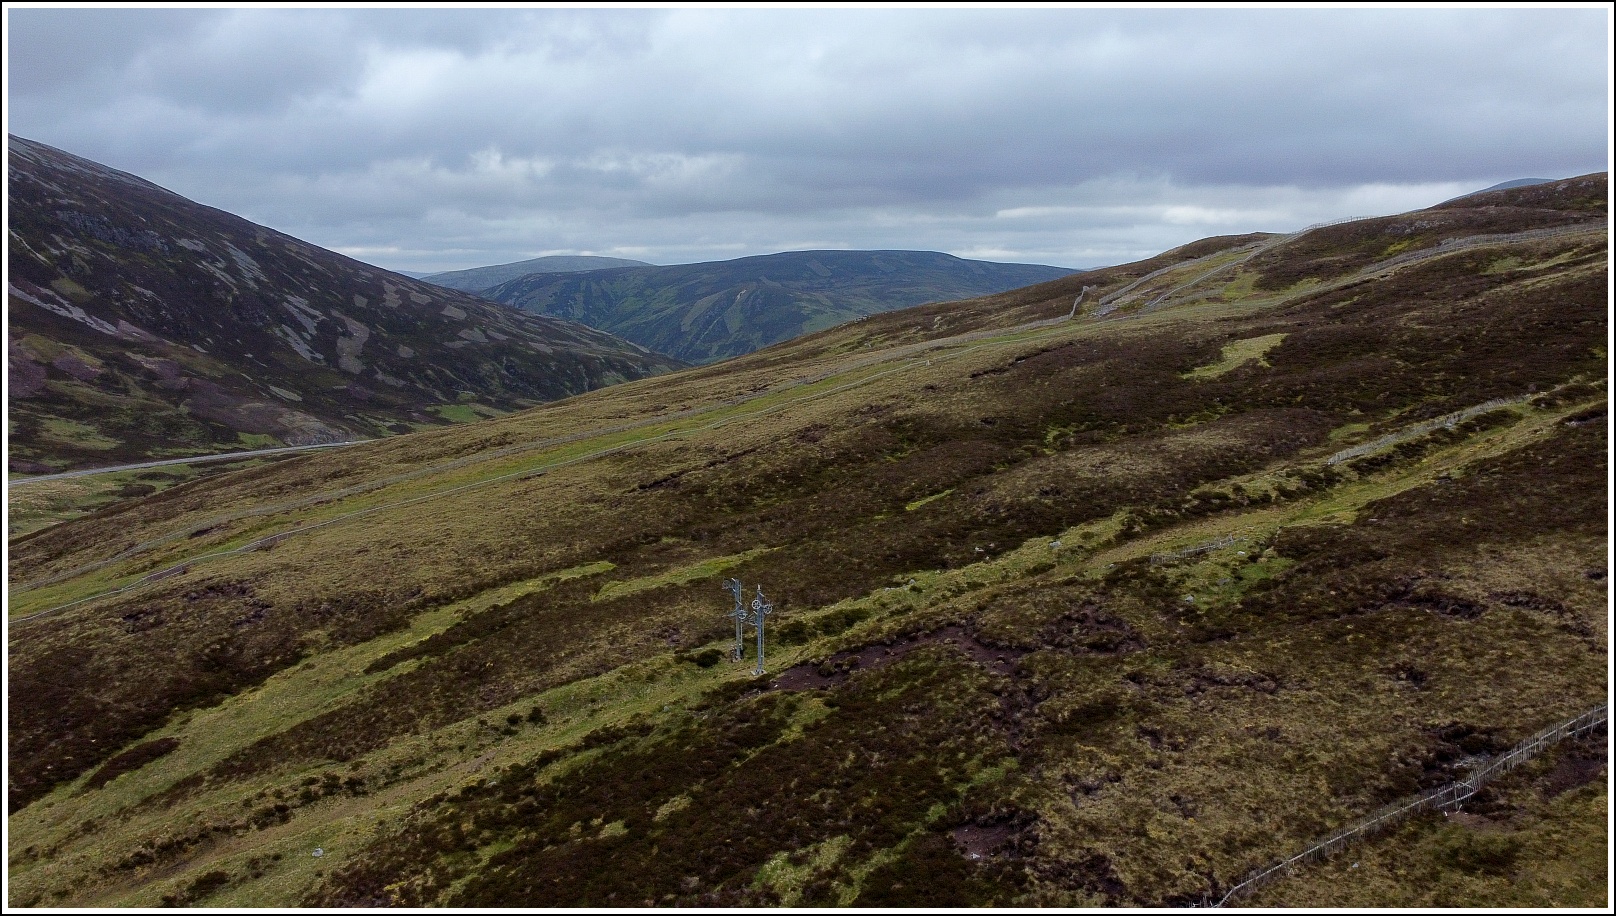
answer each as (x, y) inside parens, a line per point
(385, 501)
(910, 507)
(72, 290)
(75, 434)
(684, 575)
(33, 506)
(1243, 285)
(40, 599)
(1349, 431)
(464, 413)
(1237, 354)
(786, 879)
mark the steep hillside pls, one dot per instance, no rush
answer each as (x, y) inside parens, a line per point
(143, 324)
(1105, 591)
(706, 312)
(477, 279)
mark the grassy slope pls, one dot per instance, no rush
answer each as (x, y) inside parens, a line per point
(476, 685)
(35, 506)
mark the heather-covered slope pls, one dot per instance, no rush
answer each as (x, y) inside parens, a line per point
(146, 325)
(705, 312)
(1102, 609)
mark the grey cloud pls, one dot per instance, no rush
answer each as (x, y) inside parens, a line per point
(512, 132)
(52, 50)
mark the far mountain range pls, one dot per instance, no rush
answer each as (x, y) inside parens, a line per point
(710, 311)
(478, 279)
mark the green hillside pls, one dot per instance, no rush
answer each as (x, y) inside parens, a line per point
(705, 312)
(1105, 591)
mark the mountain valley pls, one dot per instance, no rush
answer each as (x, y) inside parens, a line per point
(1110, 589)
(711, 311)
(143, 325)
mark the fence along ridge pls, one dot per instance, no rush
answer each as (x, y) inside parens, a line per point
(1444, 798)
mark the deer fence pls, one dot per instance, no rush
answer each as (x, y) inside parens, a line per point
(1446, 798)
(1157, 559)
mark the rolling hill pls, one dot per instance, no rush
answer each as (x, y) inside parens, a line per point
(710, 311)
(146, 325)
(1110, 590)
(477, 279)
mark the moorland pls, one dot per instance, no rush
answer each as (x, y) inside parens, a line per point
(1102, 591)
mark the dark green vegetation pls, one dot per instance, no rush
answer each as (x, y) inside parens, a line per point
(706, 312)
(476, 665)
(144, 325)
(478, 279)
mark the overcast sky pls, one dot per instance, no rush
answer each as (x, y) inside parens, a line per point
(436, 140)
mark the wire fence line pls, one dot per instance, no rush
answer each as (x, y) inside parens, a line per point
(1446, 421)
(1228, 540)
(1109, 302)
(1333, 222)
(1112, 302)
(1079, 300)
(1447, 798)
(1151, 305)
(1449, 246)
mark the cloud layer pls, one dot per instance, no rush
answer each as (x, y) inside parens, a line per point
(446, 139)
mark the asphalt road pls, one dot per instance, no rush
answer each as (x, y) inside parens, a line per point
(198, 459)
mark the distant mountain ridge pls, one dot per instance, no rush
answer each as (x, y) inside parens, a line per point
(713, 310)
(144, 325)
(1504, 186)
(1516, 183)
(476, 279)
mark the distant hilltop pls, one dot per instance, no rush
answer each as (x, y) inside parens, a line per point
(1504, 186)
(476, 279)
